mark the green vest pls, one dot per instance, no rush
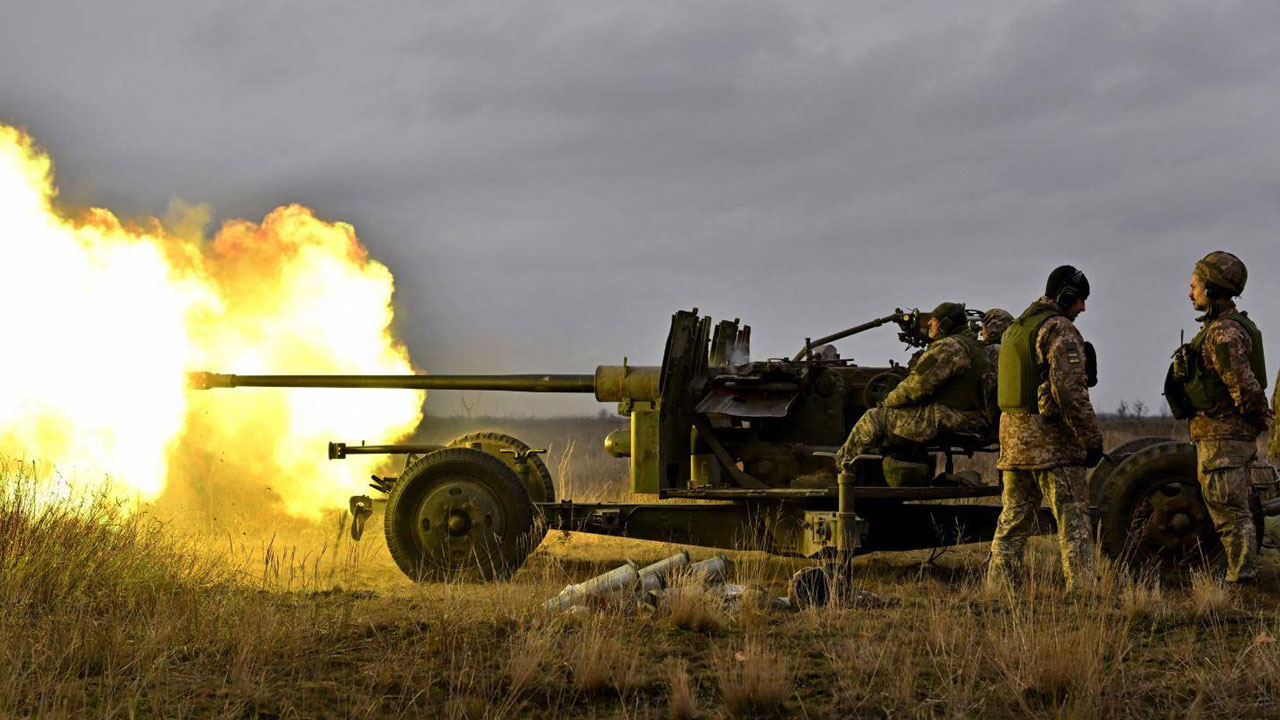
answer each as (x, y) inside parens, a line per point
(1019, 374)
(1204, 387)
(965, 392)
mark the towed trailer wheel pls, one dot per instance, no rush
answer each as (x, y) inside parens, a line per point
(1101, 475)
(517, 455)
(460, 513)
(1152, 512)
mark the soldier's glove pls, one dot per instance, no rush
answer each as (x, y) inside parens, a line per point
(1260, 420)
(1093, 456)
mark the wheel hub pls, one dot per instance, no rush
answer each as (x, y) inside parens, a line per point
(459, 523)
(1171, 522)
(1182, 523)
(459, 520)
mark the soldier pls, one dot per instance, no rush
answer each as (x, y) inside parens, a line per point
(994, 323)
(1222, 374)
(1048, 431)
(942, 391)
(1274, 450)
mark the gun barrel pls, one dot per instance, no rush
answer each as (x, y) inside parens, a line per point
(869, 325)
(609, 383)
(511, 383)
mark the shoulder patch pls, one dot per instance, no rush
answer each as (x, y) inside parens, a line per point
(1074, 356)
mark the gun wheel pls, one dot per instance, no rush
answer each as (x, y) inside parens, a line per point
(459, 513)
(1101, 475)
(1152, 513)
(532, 470)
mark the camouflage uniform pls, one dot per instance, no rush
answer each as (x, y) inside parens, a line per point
(1043, 455)
(1274, 448)
(906, 415)
(1226, 441)
(995, 322)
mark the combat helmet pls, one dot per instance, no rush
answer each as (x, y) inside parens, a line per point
(951, 317)
(995, 321)
(1224, 270)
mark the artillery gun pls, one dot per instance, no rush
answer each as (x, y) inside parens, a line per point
(738, 453)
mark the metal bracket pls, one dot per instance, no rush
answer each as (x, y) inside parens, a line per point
(361, 509)
(742, 478)
(522, 455)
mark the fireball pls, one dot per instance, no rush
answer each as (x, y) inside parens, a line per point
(104, 318)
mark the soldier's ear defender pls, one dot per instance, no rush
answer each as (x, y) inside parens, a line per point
(1070, 291)
(950, 322)
(1217, 292)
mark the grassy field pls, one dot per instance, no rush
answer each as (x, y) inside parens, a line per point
(103, 614)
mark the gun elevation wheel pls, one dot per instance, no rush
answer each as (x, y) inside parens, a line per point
(459, 513)
(1152, 513)
(879, 387)
(519, 457)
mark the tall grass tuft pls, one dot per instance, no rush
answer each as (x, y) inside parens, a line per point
(754, 679)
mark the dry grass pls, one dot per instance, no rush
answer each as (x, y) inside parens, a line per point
(108, 615)
(682, 695)
(754, 679)
(1208, 597)
(688, 604)
(600, 659)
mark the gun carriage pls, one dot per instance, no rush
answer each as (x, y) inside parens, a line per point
(739, 453)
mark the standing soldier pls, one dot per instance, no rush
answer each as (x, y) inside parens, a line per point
(1048, 431)
(994, 323)
(1222, 378)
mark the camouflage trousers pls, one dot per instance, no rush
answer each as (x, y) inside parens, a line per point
(1065, 490)
(1223, 469)
(882, 426)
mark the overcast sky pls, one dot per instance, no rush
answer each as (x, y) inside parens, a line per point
(550, 181)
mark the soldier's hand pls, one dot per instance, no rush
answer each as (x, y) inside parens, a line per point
(1093, 456)
(842, 458)
(1262, 421)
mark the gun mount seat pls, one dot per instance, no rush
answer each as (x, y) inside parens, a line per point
(951, 444)
(966, 443)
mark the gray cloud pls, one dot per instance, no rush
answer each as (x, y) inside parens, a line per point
(550, 181)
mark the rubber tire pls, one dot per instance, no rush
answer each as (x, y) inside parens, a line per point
(1100, 476)
(541, 487)
(1140, 443)
(520, 532)
(1129, 481)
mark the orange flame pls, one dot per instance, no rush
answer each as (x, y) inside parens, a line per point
(105, 318)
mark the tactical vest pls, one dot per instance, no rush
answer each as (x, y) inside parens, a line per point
(1204, 387)
(1019, 372)
(965, 392)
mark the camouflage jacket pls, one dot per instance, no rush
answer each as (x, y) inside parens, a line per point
(993, 355)
(1226, 351)
(1058, 438)
(943, 360)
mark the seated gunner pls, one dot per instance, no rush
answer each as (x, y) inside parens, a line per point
(943, 392)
